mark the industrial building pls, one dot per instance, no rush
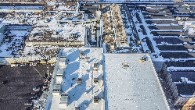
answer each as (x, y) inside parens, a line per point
(126, 84)
(77, 81)
(97, 55)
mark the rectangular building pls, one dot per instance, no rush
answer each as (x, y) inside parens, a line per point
(131, 82)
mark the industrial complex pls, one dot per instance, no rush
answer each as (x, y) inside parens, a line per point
(97, 55)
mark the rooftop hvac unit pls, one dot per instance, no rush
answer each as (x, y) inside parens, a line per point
(95, 66)
(96, 80)
(62, 63)
(126, 65)
(63, 101)
(56, 89)
(96, 99)
(79, 81)
(58, 79)
(77, 108)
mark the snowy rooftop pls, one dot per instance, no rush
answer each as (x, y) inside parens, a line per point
(67, 32)
(50, 29)
(14, 33)
(69, 6)
(132, 83)
(79, 80)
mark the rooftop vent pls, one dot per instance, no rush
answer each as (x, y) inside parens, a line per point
(79, 81)
(95, 66)
(96, 80)
(77, 108)
(144, 58)
(64, 98)
(125, 65)
(96, 99)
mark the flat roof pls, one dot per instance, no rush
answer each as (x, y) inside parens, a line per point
(132, 83)
(80, 65)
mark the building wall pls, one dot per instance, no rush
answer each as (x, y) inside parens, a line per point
(21, 60)
(1, 34)
(1, 38)
(158, 65)
(55, 43)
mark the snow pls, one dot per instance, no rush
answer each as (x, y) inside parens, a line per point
(64, 7)
(13, 48)
(138, 89)
(142, 1)
(81, 66)
(51, 3)
(149, 35)
(189, 26)
(21, 8)
(181, 68)
(8, 47)
(64, 31)
(191, 31)
(40, 25)
(122, 51)
(40, 52)
(129, 34)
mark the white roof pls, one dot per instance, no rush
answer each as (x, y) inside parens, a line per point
(81, 95)
(136, 87)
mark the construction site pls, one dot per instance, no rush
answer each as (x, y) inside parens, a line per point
(97, 54)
